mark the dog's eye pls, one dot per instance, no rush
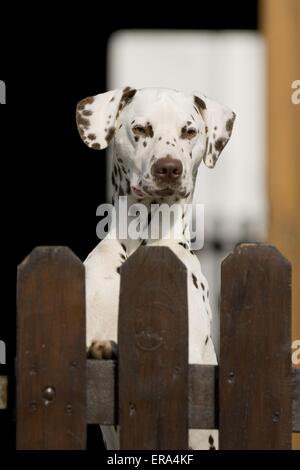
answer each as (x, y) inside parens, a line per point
(188, 133)
(139, 131)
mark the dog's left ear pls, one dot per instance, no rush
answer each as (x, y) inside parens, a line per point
(218, 121)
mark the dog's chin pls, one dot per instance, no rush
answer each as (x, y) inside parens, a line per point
(166, 192)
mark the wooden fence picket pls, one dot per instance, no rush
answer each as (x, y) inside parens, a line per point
(51, 351)
(255, 353)
(153, 351)
(151, 391)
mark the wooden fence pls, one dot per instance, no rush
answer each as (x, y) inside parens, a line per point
(252, 397)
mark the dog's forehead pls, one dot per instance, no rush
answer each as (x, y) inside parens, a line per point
(158, 102)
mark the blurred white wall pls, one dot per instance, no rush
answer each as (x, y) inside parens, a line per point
(229, 67)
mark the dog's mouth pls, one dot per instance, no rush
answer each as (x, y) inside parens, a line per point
(138, 192)
(164, 192)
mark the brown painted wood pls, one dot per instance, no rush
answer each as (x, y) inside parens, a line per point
(101, 392)
(202, 396)
(51, 352)
(153, 351)
(255, 359)
(296, 399)
(102, 398)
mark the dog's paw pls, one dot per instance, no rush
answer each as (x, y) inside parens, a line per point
(103, 350)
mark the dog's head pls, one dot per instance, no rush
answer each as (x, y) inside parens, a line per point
(161, 136)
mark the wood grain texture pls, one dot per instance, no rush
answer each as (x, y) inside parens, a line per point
(296, 399)
(203, 400)
(51, 351)
(153, 351)
(102, 399)
(3, 391)
(255, 359)
(102, 394)
(203, 397)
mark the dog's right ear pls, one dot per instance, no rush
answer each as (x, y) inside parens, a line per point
(96, 116)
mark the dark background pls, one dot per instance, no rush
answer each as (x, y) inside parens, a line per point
(51, 182)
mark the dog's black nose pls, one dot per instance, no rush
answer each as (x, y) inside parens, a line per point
(167, 169)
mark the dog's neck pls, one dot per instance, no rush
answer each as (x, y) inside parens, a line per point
(123, 200)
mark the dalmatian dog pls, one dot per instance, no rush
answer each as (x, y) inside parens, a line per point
(160, 137)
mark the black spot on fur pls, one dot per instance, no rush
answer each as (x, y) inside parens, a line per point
(128, 94)
(87, 112)
(229, 124)
(145, 143)
(119, 269)
(96, 146)
(124, 247)
(149, 130)
(195, 281)
(110, 134)
(184, 245)
(206, 341)
(199, 103)
(220, 143)
(202, 286)
(211, 443)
